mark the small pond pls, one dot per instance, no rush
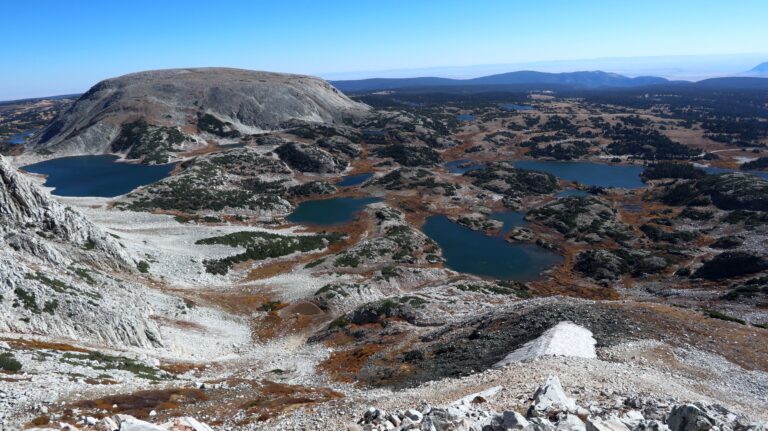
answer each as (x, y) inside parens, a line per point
(465, 117)
(96, 176)
(20, 138)
(475, 253)
(461, 166)
(353, 180)
(329, 212)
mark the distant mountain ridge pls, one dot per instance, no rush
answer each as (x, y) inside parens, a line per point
(584, 79)
(529, 80)
(761, 69)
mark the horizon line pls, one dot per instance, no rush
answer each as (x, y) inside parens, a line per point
(466, 76)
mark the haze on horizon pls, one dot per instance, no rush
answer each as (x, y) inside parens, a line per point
(65, 47)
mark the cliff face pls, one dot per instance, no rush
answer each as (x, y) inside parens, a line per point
(25, 210)
(54, 272)
(181, 108)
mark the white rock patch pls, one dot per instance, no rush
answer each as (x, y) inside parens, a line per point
(563, 339)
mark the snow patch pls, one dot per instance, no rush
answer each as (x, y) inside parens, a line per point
(563, 339)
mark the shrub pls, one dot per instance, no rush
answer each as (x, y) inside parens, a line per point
(263, 245)
(731, 264)
(561, 150)
(672, 170)
(57, 285)
(146, 141)
(143, 266)
(9, 363)
(409, 155)
(761, 163)
(213, 125)
(389, 272)
(108, 362)
(722, 316)
(51, 306)
(27, 299)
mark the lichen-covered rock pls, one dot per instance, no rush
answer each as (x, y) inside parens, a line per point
(394, 244)
(240, 181)
(581, 218)
(606, 264)
(736, 191)
(550, 397)
(339, 145)
(688, 417)
(312, 188)
(307, 158)
(413, 179)
(409, 155)
(477, 221)
(732, 264)
(505, 179)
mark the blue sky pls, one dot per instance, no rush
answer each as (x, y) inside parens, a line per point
(54, 47)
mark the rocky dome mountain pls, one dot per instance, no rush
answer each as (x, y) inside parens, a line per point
(180, 109)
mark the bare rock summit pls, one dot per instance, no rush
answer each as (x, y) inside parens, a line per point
(183, 109)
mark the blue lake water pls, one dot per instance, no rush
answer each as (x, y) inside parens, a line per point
(461, 166)
(713, 171)
(465, 117)
(353, 180)
(329, 212)
(515, 107)
(510, 219)
(98, 176)
(20, 138)
(475, 253)
(589, 173)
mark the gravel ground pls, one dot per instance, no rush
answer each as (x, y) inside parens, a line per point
(586, 380)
